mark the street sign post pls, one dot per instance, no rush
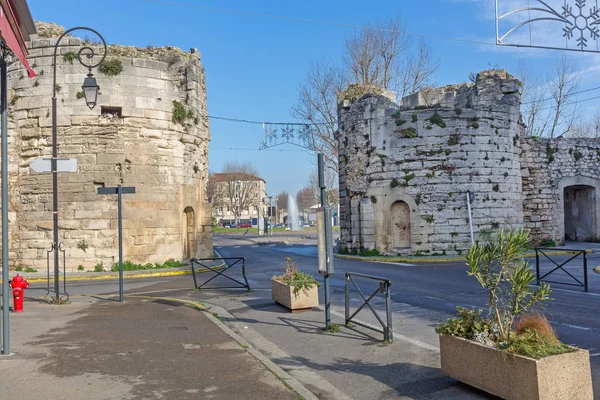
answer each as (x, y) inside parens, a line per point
(325, 235)
(62, 165)
(119, 190)
(55, 165)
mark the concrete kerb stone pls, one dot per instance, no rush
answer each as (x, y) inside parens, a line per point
(286, 378)
(434, 259)
(126, 275)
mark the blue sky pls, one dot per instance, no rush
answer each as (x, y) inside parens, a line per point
(255, 64)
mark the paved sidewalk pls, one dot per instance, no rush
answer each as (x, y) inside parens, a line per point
(351, 364)
(140, 349)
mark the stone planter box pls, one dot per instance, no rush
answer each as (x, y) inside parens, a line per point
(302, 301)
(509, 376)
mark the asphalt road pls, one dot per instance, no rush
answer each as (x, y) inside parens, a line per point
(422, 294)
(437, 288)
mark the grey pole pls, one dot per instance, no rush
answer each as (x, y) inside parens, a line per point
(321, 171)
(470, 216)
(4, 128)
(54, 147)
(120, 217)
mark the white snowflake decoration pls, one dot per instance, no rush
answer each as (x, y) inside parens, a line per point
(582, 22)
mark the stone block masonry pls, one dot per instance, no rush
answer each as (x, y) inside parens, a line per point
(405, 171)
(129, 138)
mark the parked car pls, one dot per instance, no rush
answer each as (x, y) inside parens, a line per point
(243, 226)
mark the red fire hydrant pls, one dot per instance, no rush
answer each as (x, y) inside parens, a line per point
(18, 284)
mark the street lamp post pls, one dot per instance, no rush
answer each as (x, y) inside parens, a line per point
(238, 200)
(90, 92)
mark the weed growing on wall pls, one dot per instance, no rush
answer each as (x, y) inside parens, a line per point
(111, 67)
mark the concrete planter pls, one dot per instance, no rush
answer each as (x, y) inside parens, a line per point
(303, 300)
(510, 376)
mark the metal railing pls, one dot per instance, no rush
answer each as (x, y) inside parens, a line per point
(61, 249)
(220, 271)
(384, 287)
(539, 278)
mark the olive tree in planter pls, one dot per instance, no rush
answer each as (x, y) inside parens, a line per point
(511, 353)
(295, 289)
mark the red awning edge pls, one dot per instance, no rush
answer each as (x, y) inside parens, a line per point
(10, 37)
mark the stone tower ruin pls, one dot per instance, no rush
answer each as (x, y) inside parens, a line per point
(150, 130)
(405, 171)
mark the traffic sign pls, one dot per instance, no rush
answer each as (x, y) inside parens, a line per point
(62, 165)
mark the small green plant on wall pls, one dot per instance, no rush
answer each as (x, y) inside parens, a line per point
(69, 57)
(82, 245)
(80, 95)
(111, 67)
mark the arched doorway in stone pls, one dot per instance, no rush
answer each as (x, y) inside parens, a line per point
(400, 225)
(580, 213)
(189, 241)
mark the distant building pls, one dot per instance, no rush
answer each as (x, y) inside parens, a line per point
(237, 197)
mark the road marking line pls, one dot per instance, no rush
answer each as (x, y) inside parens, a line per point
(572, 326)
(595, 354)
(236, 247)
(396, 263)
(412, 341)
(254, 245)
(272, 245)
(572, 291)
(434, 298)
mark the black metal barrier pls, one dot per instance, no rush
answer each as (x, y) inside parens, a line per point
(220, 271)
(61, 248)
(384, 287)
(577, 253)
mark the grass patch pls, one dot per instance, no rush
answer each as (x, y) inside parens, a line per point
(534, 344)
(333, 328)
(131, 266)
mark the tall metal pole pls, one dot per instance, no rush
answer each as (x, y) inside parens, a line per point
(470, 217)
(55, 194)
(55, 148)
(120, 217)
(321, 172)
(4, 155)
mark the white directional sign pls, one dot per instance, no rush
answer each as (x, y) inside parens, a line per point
(62, 165)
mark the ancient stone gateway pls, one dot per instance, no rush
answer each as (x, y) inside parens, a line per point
(189, 245)
(404, 171)
(400, 215)
(150, 130)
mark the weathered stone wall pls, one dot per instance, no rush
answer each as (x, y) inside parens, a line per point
(167, 162)
(424, 156)
(550, 166)
(405, 171)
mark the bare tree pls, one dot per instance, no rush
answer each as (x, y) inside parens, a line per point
(376, 57)
(305, 199)
(549, 105)
(238, 187)
(282, 200)
(585, 128)
(331, 182)
(564, 83)
(534, 101)
(317, 106)
(373, 54)
(418, 70)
